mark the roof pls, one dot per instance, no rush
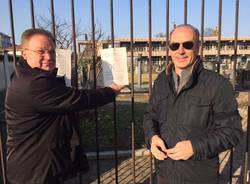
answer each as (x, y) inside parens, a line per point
(162, 39)
(3, 34)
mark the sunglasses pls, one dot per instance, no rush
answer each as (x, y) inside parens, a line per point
(186, 45)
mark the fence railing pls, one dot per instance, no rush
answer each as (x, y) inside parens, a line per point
(149, 49)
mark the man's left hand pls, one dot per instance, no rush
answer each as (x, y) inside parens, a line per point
(116, 88)
(183, 150)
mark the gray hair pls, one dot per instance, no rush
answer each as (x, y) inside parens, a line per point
(27, 34)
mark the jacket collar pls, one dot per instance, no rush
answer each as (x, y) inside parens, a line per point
(22, 65)
(196, 69)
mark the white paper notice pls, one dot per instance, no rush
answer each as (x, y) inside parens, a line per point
(114, 66)
(63, 63)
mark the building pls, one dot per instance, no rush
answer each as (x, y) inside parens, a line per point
(210, 50)
(5, 41)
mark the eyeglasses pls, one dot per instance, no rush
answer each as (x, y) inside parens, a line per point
(186, 45)
(43, 51)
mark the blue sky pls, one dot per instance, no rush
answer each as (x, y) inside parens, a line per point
(22, 19)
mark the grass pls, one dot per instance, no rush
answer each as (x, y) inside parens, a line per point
(106, 125)
(124, 122)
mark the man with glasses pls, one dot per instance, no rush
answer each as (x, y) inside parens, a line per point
(192, 115)
(43, 143)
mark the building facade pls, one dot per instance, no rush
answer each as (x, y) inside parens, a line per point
(5, 41)
(210, 50)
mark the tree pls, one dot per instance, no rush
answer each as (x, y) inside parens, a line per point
(86, 56)
(63, 32)
(160, 35)
(211, 32)
(64, 40)
(208, 31)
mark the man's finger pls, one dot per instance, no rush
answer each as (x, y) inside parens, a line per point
(158, 154)
(175, 156)
(172, 150)
(162, 148)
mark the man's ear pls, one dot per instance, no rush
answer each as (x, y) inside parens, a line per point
(24, 54)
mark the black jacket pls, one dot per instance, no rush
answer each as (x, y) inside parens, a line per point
(43, 133)
(205, 112)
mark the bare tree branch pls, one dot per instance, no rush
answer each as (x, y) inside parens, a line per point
(63, 29)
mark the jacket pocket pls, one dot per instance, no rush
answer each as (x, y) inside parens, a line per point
(196, 112)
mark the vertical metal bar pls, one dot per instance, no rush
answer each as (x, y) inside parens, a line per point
(74, 44)
(12, 33)
(78, 48)
(32, 14)
(234, 74)
(202, 27)
(4, 68)
(2, 125)
(247, 142)
(114, 104)
(219, 35)
(132, 86)
(2, 128)
(235, 41)
(93, 38)
(112, 23)
(75, 84)
(150, 45)
(2, 153)
(53, 30)
(185, 11)
(15, 64)
(94, 71)
(150, 65)
(167, 31)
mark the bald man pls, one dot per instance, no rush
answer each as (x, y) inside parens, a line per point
(192, 115)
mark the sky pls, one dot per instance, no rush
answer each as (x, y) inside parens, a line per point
(22, 20)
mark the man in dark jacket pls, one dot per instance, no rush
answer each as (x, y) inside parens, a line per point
(43, 141)
(192, 115)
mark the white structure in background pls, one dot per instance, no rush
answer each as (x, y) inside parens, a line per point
(63, 63)
(114, 66)
(5, 41)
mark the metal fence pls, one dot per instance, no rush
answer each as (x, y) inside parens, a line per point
(149, 59)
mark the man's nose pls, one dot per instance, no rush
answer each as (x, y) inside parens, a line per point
(181, 50)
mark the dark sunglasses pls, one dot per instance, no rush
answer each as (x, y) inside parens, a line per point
(186, 45)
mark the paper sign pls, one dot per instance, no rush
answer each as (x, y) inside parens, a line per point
(114, 66)
(63, 63)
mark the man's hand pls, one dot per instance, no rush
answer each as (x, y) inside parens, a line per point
(183, 150)
(158, 148)
(116, 88)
